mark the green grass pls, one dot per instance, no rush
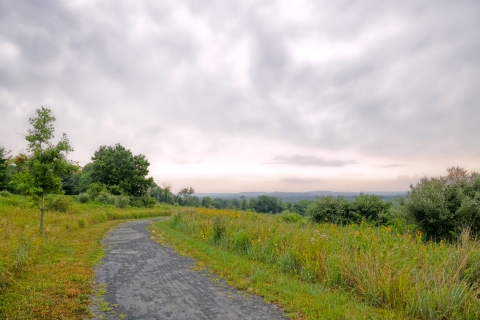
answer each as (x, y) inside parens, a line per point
(382, 274)
(51, 276)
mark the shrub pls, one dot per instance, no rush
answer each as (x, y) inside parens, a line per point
(5, 194)
(370, 207)
(145, 201)
(105, 197)
(121, 201)
(443, 206)
(219, 229)
(333, 210)
(57, 203)
(94, 189)
(289, 217)
(83, 198)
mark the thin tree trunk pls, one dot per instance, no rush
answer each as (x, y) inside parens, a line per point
(43, 210)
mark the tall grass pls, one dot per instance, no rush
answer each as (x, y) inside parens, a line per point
(384, 268)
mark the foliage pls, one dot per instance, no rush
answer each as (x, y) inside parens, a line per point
(290, 217)
(333, 210)
(118, 169)
(365, 207)
(79, 181)
(105, 197)
(206, 202)
(267, 204)
(83, 198)
(41, 169)
(122, 201)
(385, 269)
(58, 203)
(5, 193)
(443, 206)
(143, 201)
(5, 177)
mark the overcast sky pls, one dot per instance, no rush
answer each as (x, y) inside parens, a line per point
(230, 96)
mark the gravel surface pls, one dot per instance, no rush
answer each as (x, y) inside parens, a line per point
(142, 279)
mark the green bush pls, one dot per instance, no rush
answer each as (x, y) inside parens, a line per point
(94, 189)
(145, 201)
(5, 194)
(121, 201)
(443, 206)
(365, 207)
(333, 210)
(290, 217)
(105, 197)
(57, 203)
(82, 198)
(370, 207)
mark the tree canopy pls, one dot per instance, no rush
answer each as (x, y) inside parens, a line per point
(120, 170)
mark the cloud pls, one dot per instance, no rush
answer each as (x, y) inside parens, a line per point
(396, 81)
(393, 165)
(299, 160)
(300, 181)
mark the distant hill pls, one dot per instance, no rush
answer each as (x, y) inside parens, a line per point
(298, 196)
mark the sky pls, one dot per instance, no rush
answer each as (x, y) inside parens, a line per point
(232, 96)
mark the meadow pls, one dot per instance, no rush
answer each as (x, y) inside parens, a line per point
(51, 276)
(326, 271)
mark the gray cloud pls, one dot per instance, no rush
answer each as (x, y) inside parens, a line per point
(380, 79)
(300, 181)
(299, 160)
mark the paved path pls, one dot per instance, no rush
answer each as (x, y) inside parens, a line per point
(146, 280)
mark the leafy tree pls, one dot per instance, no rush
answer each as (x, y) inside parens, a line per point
(40, 171)
(118, 169)
(218, 203)
(192, 201)
(267, 204)
(186, 192)
(243, 203)
(206, 202)
(79, 181)
(167, 195)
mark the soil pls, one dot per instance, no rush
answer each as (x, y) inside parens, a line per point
(141, 279)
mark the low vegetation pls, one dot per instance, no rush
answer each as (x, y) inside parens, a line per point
(381, 267)
(51, 276)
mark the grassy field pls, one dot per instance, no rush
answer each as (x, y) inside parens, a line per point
(51, 276)
(331, 272)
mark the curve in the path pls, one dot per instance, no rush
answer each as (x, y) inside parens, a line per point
(146, 280)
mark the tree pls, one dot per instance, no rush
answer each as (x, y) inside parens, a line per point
(243, 201)
(40, 171)
(118, 169)
(206, 202)
(4, 163)
(167, 195)
(267, 204)
(185, 193)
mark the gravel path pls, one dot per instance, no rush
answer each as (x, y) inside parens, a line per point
(145, 280)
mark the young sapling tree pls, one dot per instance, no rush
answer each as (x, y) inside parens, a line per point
(41, 169)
